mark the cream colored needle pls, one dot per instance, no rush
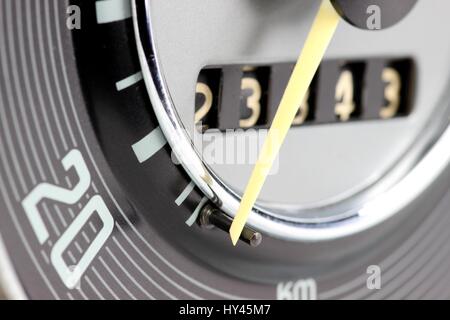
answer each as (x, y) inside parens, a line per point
(319, 37)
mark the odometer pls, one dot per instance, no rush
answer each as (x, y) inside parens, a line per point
(377, 89)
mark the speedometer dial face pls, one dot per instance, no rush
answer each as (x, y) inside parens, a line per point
(347, 156)
(129, 130)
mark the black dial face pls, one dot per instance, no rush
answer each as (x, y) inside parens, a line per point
(129, 129)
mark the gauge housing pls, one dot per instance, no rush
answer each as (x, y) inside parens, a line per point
(379, 201)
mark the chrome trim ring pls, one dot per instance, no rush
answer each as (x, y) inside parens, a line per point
(390, 195)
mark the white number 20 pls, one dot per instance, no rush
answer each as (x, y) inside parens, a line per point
(70, 275)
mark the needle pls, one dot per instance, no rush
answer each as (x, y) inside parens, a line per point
(319, 38)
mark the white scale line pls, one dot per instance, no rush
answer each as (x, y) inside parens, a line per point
(183, 196)
(105, 284)
(94, 186)
(125, 271)
(142, 271)
(69, 183)
(129, 81)
(124, 288)
(50, 219)
(86, 238)
(112, 10)
(77, 245)
(89, 282)
(190, 222)
(94, 229)
(60, 215)
(149, 145)
(57, 82)
(186, 192)
(45, 256)
(83, 295)
(149, 263)
(72, 214)
(72, 257)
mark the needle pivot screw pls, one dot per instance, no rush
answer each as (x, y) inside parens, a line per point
(211, 217)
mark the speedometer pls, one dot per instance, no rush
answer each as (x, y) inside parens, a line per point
(129, 131)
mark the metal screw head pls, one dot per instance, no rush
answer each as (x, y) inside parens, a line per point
(211, 217)
(256, 239)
